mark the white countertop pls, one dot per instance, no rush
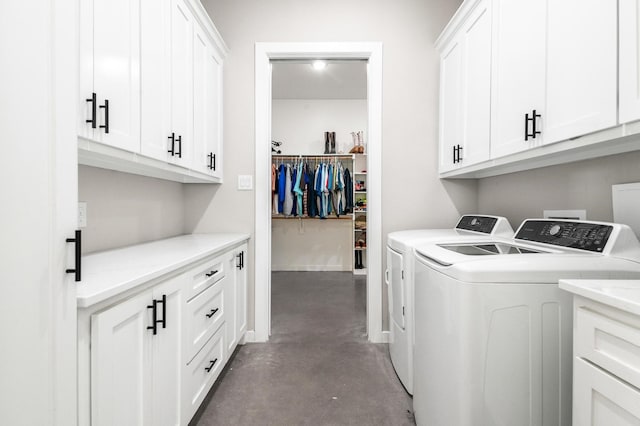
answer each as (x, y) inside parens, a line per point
(621, 294)
(109, 273)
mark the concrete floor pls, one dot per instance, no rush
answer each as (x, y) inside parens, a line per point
(317, 368)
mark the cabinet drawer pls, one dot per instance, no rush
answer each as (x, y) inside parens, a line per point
(205, 275)
(600, 399)
(609, 343)
(205, 314)
(202, 373)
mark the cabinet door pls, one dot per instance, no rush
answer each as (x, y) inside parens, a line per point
(396, 287)
(629, 69)
(518, 73)
(230, 296)
(121, 364)
(155, 46)
(600, 399)
(581, 68)
(476, 86)
(116, 71)
(207, 98)
(167, 354)
(182, 82)
(450, 105)
(241, 293)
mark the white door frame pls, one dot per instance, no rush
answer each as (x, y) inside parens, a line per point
(264, 53)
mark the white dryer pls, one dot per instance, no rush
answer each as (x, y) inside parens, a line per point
(399, 279)
(493, 332)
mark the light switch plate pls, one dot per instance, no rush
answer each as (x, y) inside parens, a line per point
(82, 215)
(245, 182)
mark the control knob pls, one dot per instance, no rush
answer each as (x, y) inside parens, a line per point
(555, 230)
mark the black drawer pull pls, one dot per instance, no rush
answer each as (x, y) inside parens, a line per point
(179, 140)
(172, 138)
(105, 126)
(164, 311)
(154, 320)
(94, 106)
(78, 255)
(208, 369)
(212, 273)
(212, 313)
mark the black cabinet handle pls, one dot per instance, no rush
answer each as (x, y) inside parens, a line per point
(454, 154)
(239, 263)
(208, 369)
(154, 320)
(179, 153)
(78, 255)
(212, 313)
(94, 106)
(242, 259)
(105, 126)
(212, 161)
(459, 158)
(212, 273)
(164, 311)
(533, 120)
(172, 138)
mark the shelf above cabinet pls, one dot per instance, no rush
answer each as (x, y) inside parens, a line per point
(106, 157)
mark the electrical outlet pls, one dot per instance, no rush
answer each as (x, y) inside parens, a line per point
(82, 215)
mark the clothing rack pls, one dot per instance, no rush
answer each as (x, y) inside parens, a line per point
(314, 160)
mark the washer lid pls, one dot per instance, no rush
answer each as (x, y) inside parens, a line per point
(468, 226)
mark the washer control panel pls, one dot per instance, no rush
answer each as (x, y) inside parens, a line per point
(578, 235)
(484, 224)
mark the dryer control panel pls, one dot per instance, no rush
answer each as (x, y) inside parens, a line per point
(484, 224)
(578, 235)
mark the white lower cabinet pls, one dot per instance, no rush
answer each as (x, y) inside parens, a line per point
(153, 356)
(601, 399)
(236, 295)
(606, 367)
(136, 359)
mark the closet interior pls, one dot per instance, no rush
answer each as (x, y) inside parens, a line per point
(319, 166)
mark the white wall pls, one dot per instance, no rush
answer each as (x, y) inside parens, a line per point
(314, 244)
(581, 185)
(413, 196)
(125, 209)
(300, 124)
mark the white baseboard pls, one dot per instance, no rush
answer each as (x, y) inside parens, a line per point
(249, 337)
(385, 336)
(311, 268)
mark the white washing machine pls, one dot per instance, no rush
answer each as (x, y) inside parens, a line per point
(493, 332)
(399, 279)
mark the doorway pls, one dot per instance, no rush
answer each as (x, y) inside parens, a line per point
(265, 54)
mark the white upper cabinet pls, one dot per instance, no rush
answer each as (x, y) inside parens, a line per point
(110, 72)
(465, 77)
(450, 105)
(518, 76)
(156, 78)
(157, 81)
(556, 74)
(207, 97)
(581, 84)
(181, 136)
(629, 69)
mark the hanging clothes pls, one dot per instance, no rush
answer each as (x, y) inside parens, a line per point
(297, 190)
(288, 195)
(348, 192)
(274, 189)
(282, 187)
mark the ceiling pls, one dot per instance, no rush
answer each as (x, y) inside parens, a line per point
(339, 80)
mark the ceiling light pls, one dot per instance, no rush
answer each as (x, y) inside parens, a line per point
(319, 65)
